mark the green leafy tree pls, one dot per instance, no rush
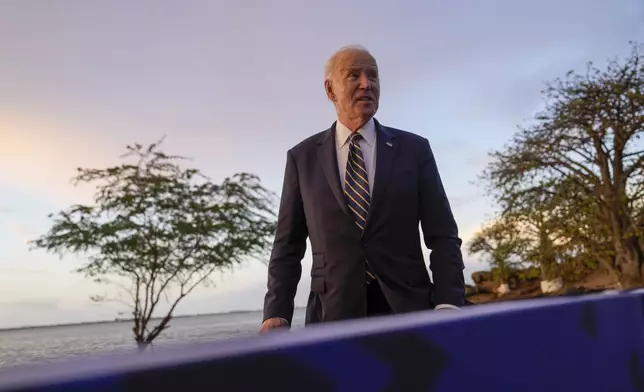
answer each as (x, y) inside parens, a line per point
(586, 239)
(532, 211)
(503, 245)
(584, 148)
(159, 231)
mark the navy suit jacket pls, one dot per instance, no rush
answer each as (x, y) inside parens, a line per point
(407, 191)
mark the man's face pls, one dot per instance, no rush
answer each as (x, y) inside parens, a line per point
(355, 85)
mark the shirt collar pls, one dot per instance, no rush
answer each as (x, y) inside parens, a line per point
(368, 132)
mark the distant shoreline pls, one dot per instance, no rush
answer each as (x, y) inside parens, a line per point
(121, 320)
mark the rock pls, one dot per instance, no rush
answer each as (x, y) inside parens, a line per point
(551, 286)
(503, 289)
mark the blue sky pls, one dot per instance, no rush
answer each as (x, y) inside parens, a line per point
(80, 80)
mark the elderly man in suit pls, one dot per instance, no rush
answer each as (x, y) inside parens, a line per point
(358, 191)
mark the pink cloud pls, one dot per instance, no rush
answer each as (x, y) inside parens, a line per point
(43, 156)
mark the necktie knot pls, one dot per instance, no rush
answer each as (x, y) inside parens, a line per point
(356, 137)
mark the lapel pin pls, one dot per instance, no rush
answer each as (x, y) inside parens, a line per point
(389, 144)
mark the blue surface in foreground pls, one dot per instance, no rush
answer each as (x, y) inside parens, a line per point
(593, 343)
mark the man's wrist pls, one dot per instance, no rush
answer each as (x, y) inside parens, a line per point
(446, 306)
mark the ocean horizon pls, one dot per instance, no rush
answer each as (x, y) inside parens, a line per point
(126, 319)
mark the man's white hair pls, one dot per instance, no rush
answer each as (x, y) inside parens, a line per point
(329, 66)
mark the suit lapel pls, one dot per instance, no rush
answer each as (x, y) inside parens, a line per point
(386, 151)
(328, 158)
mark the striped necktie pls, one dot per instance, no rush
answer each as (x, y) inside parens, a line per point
(356, 190)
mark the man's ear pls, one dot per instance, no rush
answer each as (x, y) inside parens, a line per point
(329, 90)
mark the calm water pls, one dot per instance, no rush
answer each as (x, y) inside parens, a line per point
(51, 343)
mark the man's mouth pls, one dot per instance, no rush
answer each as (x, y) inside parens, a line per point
(365, 99)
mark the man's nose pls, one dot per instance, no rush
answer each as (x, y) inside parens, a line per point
(365, 83)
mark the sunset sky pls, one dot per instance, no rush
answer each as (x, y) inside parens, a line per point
(235, 84)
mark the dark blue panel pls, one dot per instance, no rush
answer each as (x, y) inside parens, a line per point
(583, 344)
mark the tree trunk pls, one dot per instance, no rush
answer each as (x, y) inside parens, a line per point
(628, 254)
(142, 345)
(548, 256)
(630, 276)
(629, 264)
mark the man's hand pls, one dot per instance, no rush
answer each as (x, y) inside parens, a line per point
(273, 323)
